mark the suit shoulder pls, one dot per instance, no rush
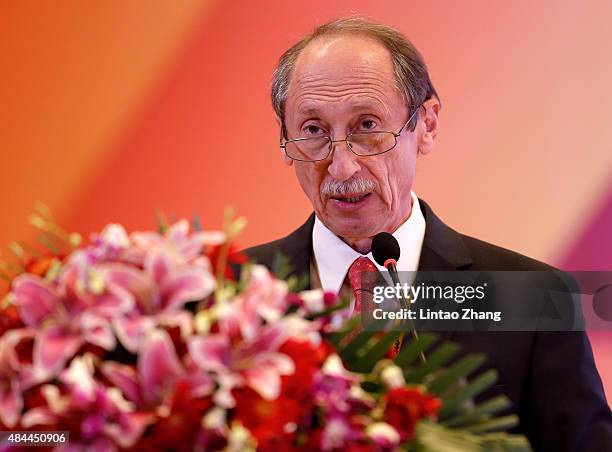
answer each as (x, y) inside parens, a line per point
(487, 256)
(295, 247)
(264, 253)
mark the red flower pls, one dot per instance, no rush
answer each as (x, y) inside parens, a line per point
(307, 359)
(269, 421)
(234, 259)
(40, 265)
(406, 406)
(9, 319)
(180, 429)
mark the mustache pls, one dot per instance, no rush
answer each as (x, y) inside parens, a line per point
(333, 187)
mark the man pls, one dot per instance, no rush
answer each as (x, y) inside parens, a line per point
(356, 107)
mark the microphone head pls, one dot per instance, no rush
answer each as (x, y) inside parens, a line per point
(385, 246)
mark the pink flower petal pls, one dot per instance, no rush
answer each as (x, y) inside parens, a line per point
(181, 319)
(11, 404)
(186, 284)
(97, 331)
(158, 265)
(53, 347)
(131, 331)
(146, 240)
(269, 338)
(79, 377)
(192, 247)
(210, 352)
(126, 433)
(264, 375)
(131, 286)
(114, 236)
(158, 365)
(35, 298)
(38, 416)
(113, 302)
(178, 231)
(123, 377)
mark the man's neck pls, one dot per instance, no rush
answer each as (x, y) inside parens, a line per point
(363, 245)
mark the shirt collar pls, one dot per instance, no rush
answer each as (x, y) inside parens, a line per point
(333, 257)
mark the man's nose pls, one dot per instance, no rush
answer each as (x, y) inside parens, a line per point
(344, 163)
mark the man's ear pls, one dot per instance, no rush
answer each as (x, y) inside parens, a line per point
(427, 139)
(286, 159)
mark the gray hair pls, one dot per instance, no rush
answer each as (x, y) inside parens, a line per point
(410, 70)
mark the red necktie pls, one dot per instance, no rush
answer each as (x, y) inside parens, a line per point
(362, 275)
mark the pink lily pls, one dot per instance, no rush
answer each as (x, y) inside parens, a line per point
(67, 315)
(107, 420)
(178, 241)
(255, 363)
(160, 291)
(15, 376)
(159, 370)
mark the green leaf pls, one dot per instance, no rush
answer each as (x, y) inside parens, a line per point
(430, 436)
(500, 423)
(338, 337)
(297, 284)
(375, 350)
(412, 349)
(328, 311)
(482, 411)
(434, 360)
(473, 388)
(46, 240)
(460, 369)
(280, 266)
(196, 221)
(351, 350)
(162, 221)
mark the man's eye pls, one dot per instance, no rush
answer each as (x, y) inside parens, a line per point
(313, 130)
(368, 124)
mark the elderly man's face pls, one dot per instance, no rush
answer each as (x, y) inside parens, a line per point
(346, 84)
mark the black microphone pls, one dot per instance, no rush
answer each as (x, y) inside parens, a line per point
(386, 253)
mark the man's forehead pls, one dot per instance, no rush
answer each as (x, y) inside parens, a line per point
(343, 68)
(343, 53)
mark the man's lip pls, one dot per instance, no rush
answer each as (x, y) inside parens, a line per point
(343, 202)
(351, 195)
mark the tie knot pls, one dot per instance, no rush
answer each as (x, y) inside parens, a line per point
(357, 268)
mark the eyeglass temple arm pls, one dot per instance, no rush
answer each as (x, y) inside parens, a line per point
(399, 132)
(282, 133)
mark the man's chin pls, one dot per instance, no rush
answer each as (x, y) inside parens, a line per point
(352, 229)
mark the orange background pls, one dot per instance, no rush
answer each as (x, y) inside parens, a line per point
(113, 109)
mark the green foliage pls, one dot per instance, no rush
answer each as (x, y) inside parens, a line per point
(461, 425)
(436, 437)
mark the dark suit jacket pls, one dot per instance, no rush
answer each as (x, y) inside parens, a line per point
(550, 377)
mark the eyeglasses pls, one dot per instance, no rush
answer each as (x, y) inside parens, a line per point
(363, 144)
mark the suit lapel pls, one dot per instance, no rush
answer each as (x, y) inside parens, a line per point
(443, 247)
(443, 250)
(297, 247)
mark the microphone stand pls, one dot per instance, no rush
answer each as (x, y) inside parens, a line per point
(391, 266)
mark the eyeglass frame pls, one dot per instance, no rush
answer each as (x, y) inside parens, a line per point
(283, 146)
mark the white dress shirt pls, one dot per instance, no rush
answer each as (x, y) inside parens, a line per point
(333, 257)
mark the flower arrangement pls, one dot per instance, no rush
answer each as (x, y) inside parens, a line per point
(148, 341)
